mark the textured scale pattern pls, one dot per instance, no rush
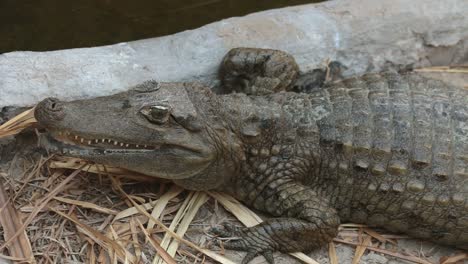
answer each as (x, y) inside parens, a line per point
(383, 149)
(403, 138)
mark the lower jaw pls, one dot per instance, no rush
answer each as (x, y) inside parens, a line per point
(130, 159)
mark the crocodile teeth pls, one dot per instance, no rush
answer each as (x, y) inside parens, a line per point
(91, 141)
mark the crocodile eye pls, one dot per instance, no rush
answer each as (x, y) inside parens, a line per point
(158, 114)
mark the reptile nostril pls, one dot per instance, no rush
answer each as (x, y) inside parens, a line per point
(49, 110)
(53, 105)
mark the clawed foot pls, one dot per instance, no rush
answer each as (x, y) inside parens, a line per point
(257, 71)
(245, 239)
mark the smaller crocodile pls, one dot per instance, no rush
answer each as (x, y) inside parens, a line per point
(383, 149)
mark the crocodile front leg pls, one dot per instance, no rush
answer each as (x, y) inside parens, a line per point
(307, 222)
(257, 71)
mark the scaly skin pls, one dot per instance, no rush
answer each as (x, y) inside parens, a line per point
(386, 150)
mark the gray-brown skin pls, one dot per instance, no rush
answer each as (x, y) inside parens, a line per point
(387, 150)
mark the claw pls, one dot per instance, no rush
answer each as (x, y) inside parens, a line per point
(250, 255)
(268, 255)
(236, 245)
(219, 231)
(231, 228)
(226, 230)
(244, 241)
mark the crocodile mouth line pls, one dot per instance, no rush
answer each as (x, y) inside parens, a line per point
(104, 143)
(49, 142)
(68, 143)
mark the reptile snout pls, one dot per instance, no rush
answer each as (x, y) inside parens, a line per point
(49, 110)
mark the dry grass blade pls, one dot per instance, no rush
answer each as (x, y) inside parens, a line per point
(18, 123)
(455, 259)
(332, 253)
(383, 251)
(40, 206)
(249, 218)
(104, 241)
(74, 163)
(244, 214)
(158, 248)
(162, 202)
(351, 225)
(19, 248)
(183, 219)
(91, 254)
(88, 205)
(121, 242)
(134, 210)
(378, 236)
(361, 249)
(208, 253)
(175, 222)
(4, 258)
(136, 244)
(199, 198)
(450, 69)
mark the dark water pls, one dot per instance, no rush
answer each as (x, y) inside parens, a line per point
(61, 24)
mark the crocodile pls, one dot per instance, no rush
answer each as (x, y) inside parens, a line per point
(385, 149)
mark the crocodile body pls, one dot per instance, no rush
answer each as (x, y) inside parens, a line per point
(383, 149)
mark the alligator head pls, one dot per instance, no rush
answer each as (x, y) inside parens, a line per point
(155, 129)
